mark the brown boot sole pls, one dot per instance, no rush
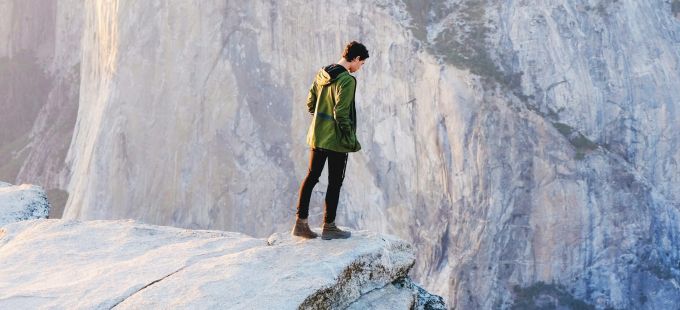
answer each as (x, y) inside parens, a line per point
(304, 235)
(326, 237)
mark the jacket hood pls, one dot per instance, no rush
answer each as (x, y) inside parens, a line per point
(329, 74)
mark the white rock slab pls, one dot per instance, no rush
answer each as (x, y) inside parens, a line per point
(22, 202)
(126, 264)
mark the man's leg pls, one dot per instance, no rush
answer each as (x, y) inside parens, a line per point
(337, 162)
(317, 159)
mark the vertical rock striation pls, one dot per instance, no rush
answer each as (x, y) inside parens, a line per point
(578, 184)
(40, 57)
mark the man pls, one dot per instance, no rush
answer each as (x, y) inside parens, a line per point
(331, 136)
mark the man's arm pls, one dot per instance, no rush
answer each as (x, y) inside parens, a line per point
(311, 99)
(341, 112)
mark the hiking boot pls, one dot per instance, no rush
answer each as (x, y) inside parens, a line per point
(301, 229)
(330, 231)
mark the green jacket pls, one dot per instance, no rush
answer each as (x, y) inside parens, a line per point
(331, 102)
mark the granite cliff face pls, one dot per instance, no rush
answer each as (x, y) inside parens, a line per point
(577, 165)
(527, 150)
(40, 55)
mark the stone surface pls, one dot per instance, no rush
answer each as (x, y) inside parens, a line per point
(385, 298)
(71, 264)
(40, 55)
(22, 202)
(400, 294)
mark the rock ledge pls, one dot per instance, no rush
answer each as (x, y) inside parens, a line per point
(128, 264)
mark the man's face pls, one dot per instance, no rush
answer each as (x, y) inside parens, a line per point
(356, 64)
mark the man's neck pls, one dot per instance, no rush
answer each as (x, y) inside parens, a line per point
(343, 62)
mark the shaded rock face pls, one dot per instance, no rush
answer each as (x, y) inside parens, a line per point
(513, 143)
(40, 56)
(22, 202)
(126, 264)
(400, 293)
(594, 209)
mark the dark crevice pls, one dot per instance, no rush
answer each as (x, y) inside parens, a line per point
(145, 286)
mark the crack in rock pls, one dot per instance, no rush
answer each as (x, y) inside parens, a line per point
(145, 286)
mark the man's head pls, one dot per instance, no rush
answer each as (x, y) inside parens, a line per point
(355, 54)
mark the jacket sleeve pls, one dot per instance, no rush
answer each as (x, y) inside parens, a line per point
(311, 99)
(345, 97)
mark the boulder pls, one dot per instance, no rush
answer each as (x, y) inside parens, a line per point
(22, 202)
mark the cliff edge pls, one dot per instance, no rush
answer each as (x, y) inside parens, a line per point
(127, 264)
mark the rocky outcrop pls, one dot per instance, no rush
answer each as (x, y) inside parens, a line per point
(22, 202)
(127, 264)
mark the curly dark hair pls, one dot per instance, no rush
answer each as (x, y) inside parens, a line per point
(354, 49)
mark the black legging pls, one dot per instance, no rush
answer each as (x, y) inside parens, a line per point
(336, 174)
